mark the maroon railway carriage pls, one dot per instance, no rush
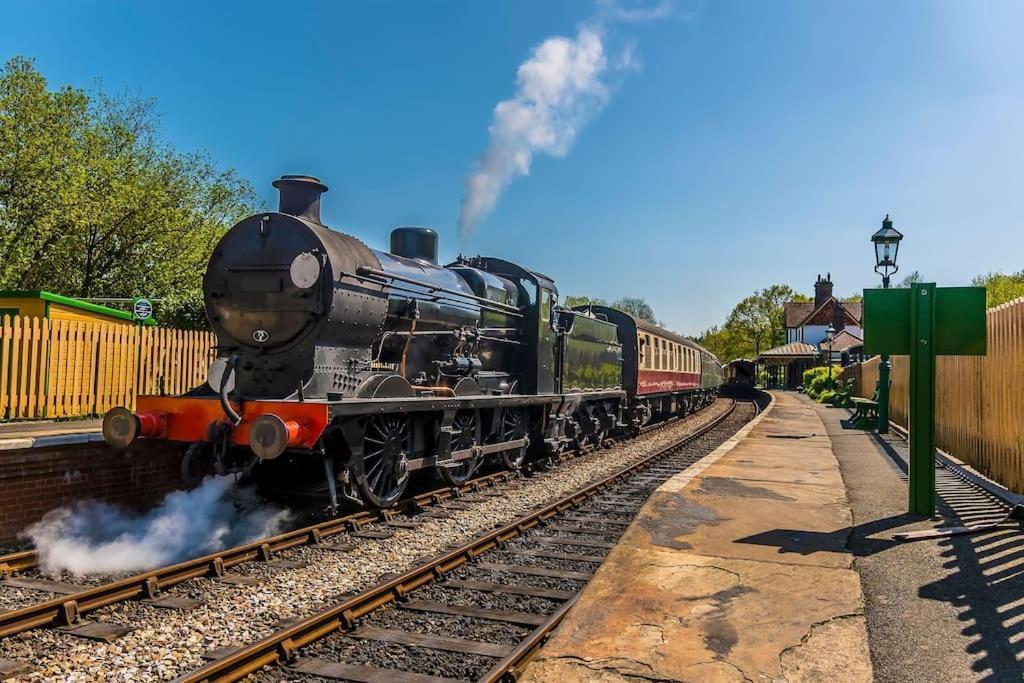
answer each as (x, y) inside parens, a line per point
(663, 372)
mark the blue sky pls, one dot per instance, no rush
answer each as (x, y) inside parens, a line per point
(751, 143)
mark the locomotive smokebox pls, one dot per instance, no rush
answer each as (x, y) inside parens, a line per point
(415, 243)
(300, 196)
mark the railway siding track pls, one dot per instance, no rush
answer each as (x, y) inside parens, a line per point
(581, 542)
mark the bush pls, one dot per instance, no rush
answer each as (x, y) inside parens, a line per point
(812, 373)
(826, 396)
(816, 380)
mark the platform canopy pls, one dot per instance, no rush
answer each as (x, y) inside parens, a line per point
(786, 353)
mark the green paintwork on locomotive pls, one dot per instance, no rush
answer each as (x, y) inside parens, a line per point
(591, 356)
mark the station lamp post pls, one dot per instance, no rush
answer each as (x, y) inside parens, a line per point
(830, 334)
(887, 244)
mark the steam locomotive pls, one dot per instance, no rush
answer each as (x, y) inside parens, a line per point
(341, 364)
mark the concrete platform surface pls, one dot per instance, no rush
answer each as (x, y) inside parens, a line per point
(736, 569)
(43, 433)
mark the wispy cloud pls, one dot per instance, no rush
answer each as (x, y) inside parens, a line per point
(619, 12)
(559, 88)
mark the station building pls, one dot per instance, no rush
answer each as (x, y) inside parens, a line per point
(807, 343)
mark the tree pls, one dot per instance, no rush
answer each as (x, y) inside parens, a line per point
(574, 301)
(1000, 288)
(755, 323)
(911, 279)
(773, 300)
(725, 342)
(750, 320)
(637, 307)
(93, 203)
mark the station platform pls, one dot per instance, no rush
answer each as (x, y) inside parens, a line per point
(774, 559)
(43, 433)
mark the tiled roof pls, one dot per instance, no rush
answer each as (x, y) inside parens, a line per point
(796, 312)
(841, 341)
(791, 350)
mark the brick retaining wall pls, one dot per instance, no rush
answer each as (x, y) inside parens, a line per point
(34, 481)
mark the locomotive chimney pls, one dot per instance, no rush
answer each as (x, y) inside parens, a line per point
(415, 243)
(300, 196)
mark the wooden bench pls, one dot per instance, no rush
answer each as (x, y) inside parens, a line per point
(864, 410)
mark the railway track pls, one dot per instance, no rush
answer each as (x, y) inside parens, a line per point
(502, 593)
(28, 559)
(67, 608)
(72, 601)
(255, 596)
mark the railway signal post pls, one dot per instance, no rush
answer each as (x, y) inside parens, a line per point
(923, 322)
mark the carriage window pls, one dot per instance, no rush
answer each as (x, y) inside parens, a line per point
(545, 305)
(657, 354)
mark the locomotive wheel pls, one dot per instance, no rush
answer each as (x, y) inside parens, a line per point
(192, 470)
(466, 434)
(382, 474)
(513, 426)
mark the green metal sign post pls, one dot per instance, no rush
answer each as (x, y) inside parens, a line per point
(923, 322)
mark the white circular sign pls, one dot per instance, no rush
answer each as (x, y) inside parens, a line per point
(142, 309)
(260, 336)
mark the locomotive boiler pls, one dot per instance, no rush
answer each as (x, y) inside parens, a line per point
(354, 367)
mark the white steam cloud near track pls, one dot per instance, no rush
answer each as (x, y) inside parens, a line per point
(98, 538)
(559, 89)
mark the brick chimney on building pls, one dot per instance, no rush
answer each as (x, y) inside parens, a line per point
(822, 290)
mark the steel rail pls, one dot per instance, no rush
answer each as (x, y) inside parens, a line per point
(282, 646)
(19, 561)
(65, 609)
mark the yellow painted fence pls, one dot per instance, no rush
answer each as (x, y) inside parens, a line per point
(979, 399)
(67, 368)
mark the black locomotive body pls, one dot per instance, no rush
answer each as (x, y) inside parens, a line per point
(363, 366)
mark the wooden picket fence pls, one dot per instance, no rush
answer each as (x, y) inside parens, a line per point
(979, 399)
(66, 368)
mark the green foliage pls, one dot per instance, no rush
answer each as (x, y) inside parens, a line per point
(93, 203)
(726, 342)
(811, 373)
(755, 324)
(911, 279)
(574, 301)
(815, 381)
(826, 396)
(184, 310)
(637, 307)
(1000, 288)
(634, 305)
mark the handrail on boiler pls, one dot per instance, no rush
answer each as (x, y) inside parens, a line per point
(363, 270)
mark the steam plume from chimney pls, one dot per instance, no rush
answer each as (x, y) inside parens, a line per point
(561, 87)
